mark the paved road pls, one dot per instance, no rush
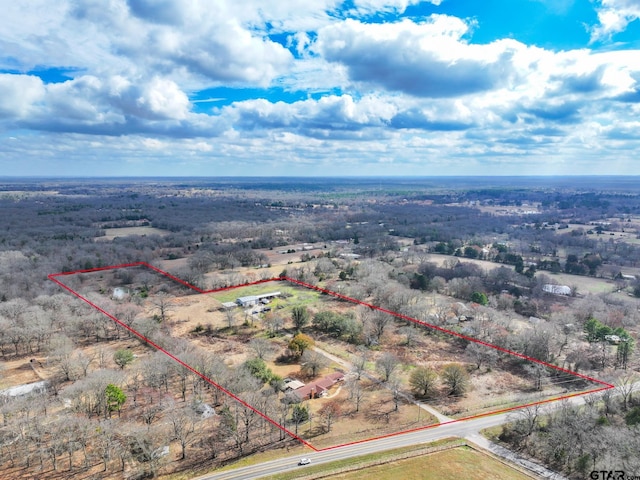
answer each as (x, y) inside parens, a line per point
(464, 429)
(456, 429)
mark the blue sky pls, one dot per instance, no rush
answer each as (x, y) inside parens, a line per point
(323, 87)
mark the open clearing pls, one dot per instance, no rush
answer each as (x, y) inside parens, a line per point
(111, 233)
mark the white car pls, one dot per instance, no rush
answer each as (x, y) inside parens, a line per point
(304, 461)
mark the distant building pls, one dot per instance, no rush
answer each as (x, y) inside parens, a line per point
(229, 305)
(120, 293)
(252, 300)
(556, 289)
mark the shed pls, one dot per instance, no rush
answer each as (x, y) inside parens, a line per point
(294, 385)
(556, 289)
(120, 293)
(247, 301)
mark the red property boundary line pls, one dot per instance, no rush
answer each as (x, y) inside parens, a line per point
(54, 278)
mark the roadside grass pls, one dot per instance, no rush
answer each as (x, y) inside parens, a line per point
(359, 462)
(492, 433)
(446, 459)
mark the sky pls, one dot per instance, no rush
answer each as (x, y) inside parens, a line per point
(319, 87)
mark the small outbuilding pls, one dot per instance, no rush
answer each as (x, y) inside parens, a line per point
(557, 289)
(120, 293)
(252, 300)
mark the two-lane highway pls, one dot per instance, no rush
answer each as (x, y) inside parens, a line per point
(455, 429)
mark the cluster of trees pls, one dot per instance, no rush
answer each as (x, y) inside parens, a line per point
(597, 332)
(425, 381)
(603, 435)
(337, 325)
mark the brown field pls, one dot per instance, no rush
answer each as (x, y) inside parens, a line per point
(452, 464)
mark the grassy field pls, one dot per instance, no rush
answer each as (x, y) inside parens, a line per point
(299, 296)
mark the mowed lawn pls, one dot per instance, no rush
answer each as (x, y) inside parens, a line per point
(453, 464)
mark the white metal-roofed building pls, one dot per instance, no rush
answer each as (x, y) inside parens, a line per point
(251, 300)
(557, 289)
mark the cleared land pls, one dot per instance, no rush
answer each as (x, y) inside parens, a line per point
(111, 233)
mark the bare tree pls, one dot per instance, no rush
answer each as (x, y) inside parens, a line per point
(84, 361)
(626, 385)
(356, 392)
(183, 423)
(230, 316)
(387, 364)
(163, 306)
(313, 362)
(329, 413)
(481, 354)
(360, 361)
(379, 323)
(262, 347)
(274, 322)
(106, 443)
(411, 333)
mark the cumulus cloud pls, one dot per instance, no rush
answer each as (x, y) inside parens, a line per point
(18, 94)
(427, 59)
(330, 116)
(613, 17)
(198, 42)
(410, 91)
(364, 7)
(111, 106)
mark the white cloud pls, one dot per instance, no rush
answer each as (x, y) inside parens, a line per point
(330, 116)
(18, 94)
(375, 6)
(417, 95)
(613, 17)
(427, 59)
(196, 41)
(111, 106)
